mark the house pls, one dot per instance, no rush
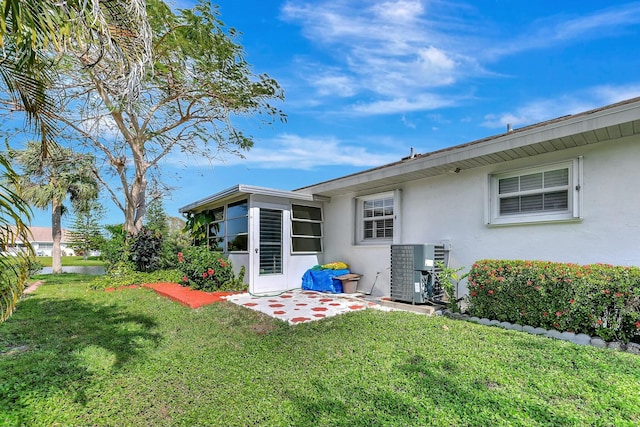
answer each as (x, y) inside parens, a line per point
(42, 242)
(562, 190)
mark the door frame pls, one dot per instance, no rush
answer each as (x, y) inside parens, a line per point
(272, 282)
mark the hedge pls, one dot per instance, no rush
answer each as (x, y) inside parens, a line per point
(597, 300)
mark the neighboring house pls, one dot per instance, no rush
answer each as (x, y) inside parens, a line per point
(562, 190)
(42, 241)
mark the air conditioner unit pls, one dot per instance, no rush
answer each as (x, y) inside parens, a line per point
(414, 270)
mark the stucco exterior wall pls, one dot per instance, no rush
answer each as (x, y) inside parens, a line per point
(294, 264)
(452, 208)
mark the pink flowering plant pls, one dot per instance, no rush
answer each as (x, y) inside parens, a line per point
(598, 300)
(206, 270)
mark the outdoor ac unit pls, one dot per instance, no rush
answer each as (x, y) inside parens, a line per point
(414, 270)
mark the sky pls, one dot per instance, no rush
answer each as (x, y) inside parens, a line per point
(365, 81)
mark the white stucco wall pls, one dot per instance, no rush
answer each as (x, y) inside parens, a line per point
(294, 264)
(239, 260)
(452, 208)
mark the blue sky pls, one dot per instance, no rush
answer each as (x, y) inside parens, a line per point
(365, 81)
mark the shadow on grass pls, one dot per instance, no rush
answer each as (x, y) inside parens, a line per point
(51, 346)
(352, 405)
(428, 395)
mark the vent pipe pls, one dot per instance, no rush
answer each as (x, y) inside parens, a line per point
(509, 128)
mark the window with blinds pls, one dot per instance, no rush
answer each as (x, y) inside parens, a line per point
(306, 228)
(377, 218)
(537, 192)
(546, 193)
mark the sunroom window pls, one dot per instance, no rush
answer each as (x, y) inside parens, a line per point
(229, 229)
(306, 228)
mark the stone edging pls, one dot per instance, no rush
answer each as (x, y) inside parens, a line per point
(33, 287)
(580, 339)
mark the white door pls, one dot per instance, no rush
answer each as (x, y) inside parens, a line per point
(269, 260)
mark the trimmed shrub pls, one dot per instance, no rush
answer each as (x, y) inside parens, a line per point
(598, 300)
(206, 270)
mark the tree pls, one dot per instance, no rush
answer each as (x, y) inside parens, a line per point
(14, 215)
(49, 181)
(27, 32)
(85, 233)
(114, 248)
(33, 33)
(200, 82)
(156, 218)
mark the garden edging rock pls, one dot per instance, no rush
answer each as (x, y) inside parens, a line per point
(578, 339)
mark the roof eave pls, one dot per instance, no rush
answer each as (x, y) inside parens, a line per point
(616, 114)
(240, 189)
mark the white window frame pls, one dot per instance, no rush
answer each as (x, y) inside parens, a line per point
(226, 237)
(360, 219)
(574, 189)
(304, 236)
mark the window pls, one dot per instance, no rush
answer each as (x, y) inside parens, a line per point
(237, 226)
(376, 215)
(229, 231)
(306, 228)
(216, 230)
(549, 193)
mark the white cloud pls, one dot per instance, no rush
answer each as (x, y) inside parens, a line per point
(546, 109)
(388, 50)
(399, 105)
(408, 123)
(396, 53)
(290, 151)
(103, 125)
(549, 32)
(297, 152)
(609, 94)
(336, 85)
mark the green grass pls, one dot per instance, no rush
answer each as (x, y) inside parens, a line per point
(72, 356)
(71, 261)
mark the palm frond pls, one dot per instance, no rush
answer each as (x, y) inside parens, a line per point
(14, 215)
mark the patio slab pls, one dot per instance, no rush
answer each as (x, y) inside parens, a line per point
(186, 296)
(300, 306)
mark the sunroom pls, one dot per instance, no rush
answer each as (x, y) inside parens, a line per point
(275, 235)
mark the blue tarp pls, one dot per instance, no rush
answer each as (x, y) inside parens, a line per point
(323, 280)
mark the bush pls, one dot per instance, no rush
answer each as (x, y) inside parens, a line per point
(171, 245)
(600, 300)
(144, 249)
(208, 271)
(124, 274)
(34, 267)
(113, 250)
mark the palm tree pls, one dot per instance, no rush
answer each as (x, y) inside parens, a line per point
(28, 32)
(49, 181)
(14, 214)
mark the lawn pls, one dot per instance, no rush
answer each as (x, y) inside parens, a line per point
(73, 356)
(71, 261)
